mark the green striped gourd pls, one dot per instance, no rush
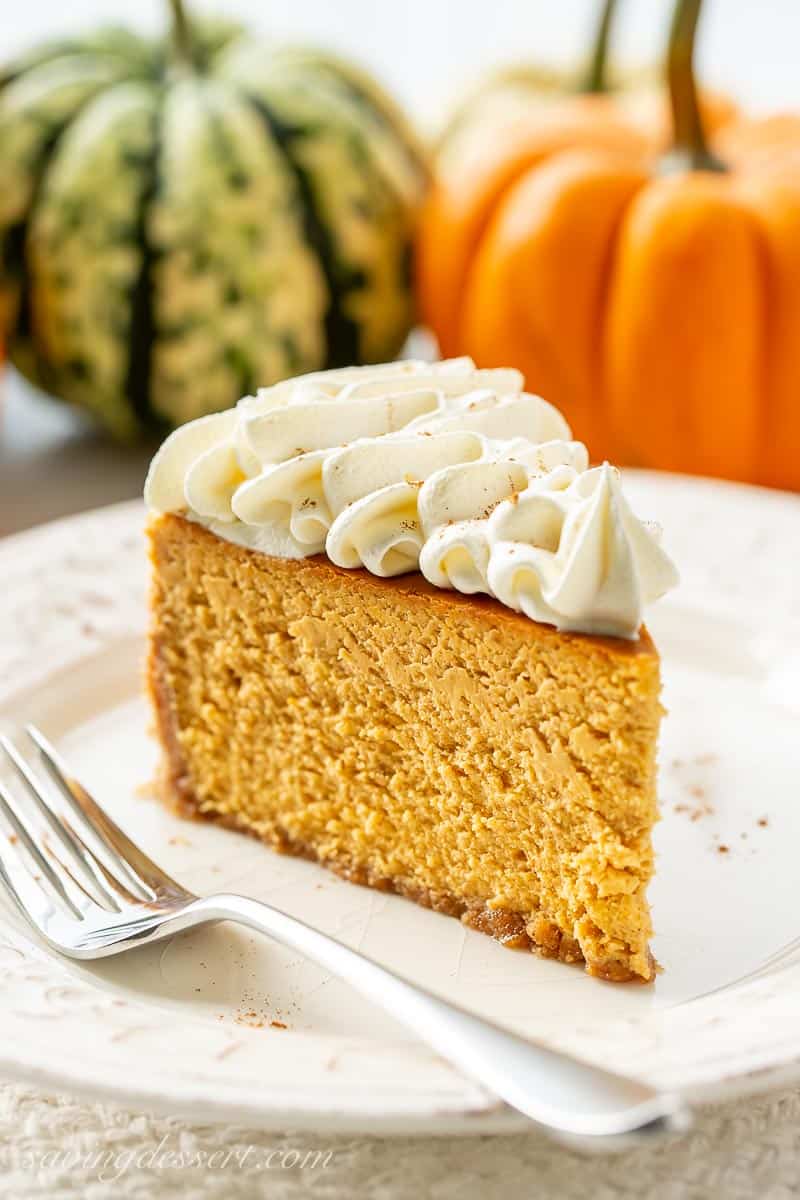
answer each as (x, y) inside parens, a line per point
(183, 222)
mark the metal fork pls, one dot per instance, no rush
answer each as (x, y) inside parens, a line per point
(89, 891)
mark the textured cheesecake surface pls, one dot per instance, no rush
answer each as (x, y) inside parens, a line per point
(413, 739)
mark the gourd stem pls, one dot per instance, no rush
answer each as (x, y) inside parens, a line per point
(689, 146)
(182, 40)
(596, 76)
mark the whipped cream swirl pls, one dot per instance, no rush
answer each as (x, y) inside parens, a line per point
(407, 466)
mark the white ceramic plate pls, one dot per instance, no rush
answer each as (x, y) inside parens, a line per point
(187, 1026)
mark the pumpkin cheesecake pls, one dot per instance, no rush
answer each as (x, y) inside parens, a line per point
(396, 628)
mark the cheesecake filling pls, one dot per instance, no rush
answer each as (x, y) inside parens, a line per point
(439, 467)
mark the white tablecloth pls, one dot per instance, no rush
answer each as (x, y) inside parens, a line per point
(59, 1148)
(63, 1148)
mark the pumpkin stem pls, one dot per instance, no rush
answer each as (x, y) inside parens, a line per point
(596, 76)
(689, 146)
(182, 40)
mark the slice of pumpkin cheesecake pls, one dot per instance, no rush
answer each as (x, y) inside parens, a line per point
(396, 628)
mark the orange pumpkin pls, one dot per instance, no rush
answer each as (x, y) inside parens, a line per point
(512, 125)
(655, 299)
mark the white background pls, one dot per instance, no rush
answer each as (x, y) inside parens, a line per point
(425, 48)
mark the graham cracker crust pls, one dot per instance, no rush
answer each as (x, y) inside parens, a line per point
(514, 930)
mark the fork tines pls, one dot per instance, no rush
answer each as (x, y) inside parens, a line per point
(63, 843)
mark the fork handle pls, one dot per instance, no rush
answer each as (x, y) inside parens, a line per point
(567, 1096)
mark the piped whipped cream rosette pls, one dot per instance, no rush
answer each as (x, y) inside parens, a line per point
(439, 467)
(566, 550)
